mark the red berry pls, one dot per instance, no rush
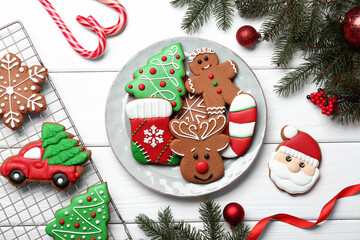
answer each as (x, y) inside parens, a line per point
(321, 105)
(93, 214)
(317, 102)
(62, 221)
(89, 198)
(317, 97)
(328, 113)
(77, 225)
(312, 95)
(331, 110)
(323, 111)
(334, 101)
(327, 108)
(312, 100)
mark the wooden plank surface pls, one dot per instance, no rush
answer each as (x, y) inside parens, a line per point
(84, 86)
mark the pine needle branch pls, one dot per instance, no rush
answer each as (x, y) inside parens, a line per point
(210, 214)
(196, 15)
(150, 227)
(239, 233)
(224, 12)
(180, 3)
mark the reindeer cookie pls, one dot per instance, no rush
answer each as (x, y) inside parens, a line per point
(199, 146)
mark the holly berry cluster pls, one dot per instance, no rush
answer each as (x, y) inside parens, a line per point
(328, 104)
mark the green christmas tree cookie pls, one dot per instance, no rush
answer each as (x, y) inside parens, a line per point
(161, 77)
(59, 146)
(85, 218)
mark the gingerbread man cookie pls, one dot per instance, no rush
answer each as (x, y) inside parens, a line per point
(212, 80)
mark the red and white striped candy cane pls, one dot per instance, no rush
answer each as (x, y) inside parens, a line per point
(118, 27)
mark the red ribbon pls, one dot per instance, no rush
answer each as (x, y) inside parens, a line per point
(301, 223)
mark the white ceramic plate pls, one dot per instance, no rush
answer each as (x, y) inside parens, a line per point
(168, 179)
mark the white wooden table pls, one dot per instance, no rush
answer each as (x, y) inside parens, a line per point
(84, 84)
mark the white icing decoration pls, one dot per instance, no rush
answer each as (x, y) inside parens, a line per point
(33, 153)
(153, 136)
(97, 222)
(192, 150)
(1, 77)
(198, 51)
(72, 236)
(99, 238)
(33, 88)
(233, 65)
(95, 199)
(191, 85)
(241, 130)
(84, 228)
(71, 219)
(299, 155)
(66, 213)
(210, 133)
(54, 226)
(103, 217)
(148, 108)
(5, 98)
(84, 212)
(242, 102)
(21, 69)
(80, 201)
(2, 104)
(18, 102)
(78, 219)
(68, 225)
(19, 89)
(99, 210)
(17, 75)
(14, 81)
(25, 88)
(290, 131)
(181, 133)
(101, 192)
(191, 109)
(208, 149)
(207, 67)
(15, 97)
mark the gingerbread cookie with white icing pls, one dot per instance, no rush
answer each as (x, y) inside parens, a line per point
(19, 87)
(193, 109)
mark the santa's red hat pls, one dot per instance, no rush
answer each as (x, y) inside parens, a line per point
(300, 145)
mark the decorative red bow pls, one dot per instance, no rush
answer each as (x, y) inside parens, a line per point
(298, 222)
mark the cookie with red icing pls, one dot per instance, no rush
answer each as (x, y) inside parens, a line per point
(55, 158)
(19, 90)
(294, 166)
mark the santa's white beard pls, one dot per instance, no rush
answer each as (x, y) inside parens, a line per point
(293, 183)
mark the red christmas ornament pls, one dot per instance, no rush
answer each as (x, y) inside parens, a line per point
(247, 36)
(351, 27)
(233, 214)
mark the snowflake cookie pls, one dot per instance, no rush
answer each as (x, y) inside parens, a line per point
(19, 90)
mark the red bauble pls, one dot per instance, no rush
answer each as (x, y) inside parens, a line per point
(351, 27)
(233, 213)
(247, 36)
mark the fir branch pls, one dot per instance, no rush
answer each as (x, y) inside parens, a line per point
(187, 232)
(150, 227)
(180, 3)
(166, 222)
(223, 12)
(238, 233)
(196, 15)
(295, 80)
(258, 8)
(210, 214)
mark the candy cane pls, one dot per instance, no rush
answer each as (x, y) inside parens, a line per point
(118, 27)
(91, 24)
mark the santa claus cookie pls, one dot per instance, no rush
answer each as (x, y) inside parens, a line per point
(150, 134)
(214, 82)
(294, 166)
(19, 87)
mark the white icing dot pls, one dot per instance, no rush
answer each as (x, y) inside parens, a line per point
(72, 214)
(5, 98)
(84, 237)
(84, 212)
(103, 217)
(21, 69)
(22, 108)
(84, 228)
(14, 81)
(2, 105)
(95, 199)
(19, 89)
(99, 210)
(54, 226)
(78, 219)
(66, 213)
(33, 88)
(0, 111)
(101, 192)
(15, 97)
(1, 77)
(92, 193)
(65, 235)
(17, 75)
(99, 238)
(5, 82)
(97, 222)
(72, 236)
(80, 201)
(88, 218)
(71, 219)
(1, 90)
(18, 102)
(68, 225)
(25, 88)
(62, 227)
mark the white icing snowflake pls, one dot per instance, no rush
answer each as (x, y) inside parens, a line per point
(19, 90)
(153, 136)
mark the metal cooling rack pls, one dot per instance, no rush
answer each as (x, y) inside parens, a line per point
(25, 211)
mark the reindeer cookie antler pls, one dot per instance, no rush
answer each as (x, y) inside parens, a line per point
(199, 145)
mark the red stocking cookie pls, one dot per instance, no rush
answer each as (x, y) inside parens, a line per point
(294, 166)
(150, 134)
(199, 145)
